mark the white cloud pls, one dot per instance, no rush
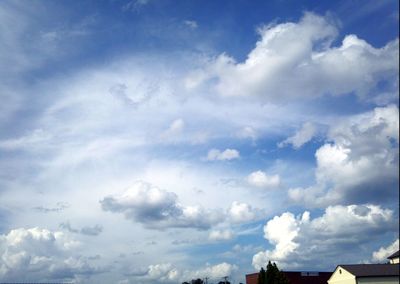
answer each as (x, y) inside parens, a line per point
(156, 208)
(135, 5)
(262, 180)
(175, 133)
(163, 272)
(37, 136)
(347, 167)
(301, 240)
(86, 230)
(91, 130)
(227, 154)
(215, 271)
(91, 230)
(221, 235)
(280, 232)
(242, 212)
(247, 132)
(383, 253)
(36, 254)
(176, 126)
(12, 53)
(174, 130)
(301, 137)
(295, 60)
(191, 24)
(244, 249)
(169, 273)
(47, 40)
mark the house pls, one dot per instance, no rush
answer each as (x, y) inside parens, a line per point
(368, 273)
(394, 258)
(297, 277)
(365, 273)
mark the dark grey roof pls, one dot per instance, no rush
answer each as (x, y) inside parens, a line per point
(396, 254)
(370, 270)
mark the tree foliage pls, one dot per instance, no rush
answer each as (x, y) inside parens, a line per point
(261, 276)
(272, 275)
(194, 281)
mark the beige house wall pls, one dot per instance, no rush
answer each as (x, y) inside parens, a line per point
(342, 276)
(394, 260)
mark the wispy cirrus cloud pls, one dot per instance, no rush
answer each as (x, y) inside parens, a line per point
(202, 128)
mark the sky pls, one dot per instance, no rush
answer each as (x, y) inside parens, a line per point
(159, 141)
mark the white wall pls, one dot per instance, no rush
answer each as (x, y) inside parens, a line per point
(341, 276)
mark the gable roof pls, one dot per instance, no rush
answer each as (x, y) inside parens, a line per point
(371, 270)
(298, 277)
(396, 254)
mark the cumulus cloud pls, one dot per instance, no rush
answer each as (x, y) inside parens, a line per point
(301, 137)
(156, 208)
(36, 254)
(302, 240)
(112, 131)
(162, 272)
(262, 180)
(240, 212)
(360, 164)
(169, 273)
(383, 253)
(296, 60)
(215, 271)
(221, 235)
(218, 155)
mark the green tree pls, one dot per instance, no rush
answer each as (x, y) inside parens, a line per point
(272, 275)
(261, 276)
(280, 277)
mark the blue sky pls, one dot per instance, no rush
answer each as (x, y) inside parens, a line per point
(152, 141)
